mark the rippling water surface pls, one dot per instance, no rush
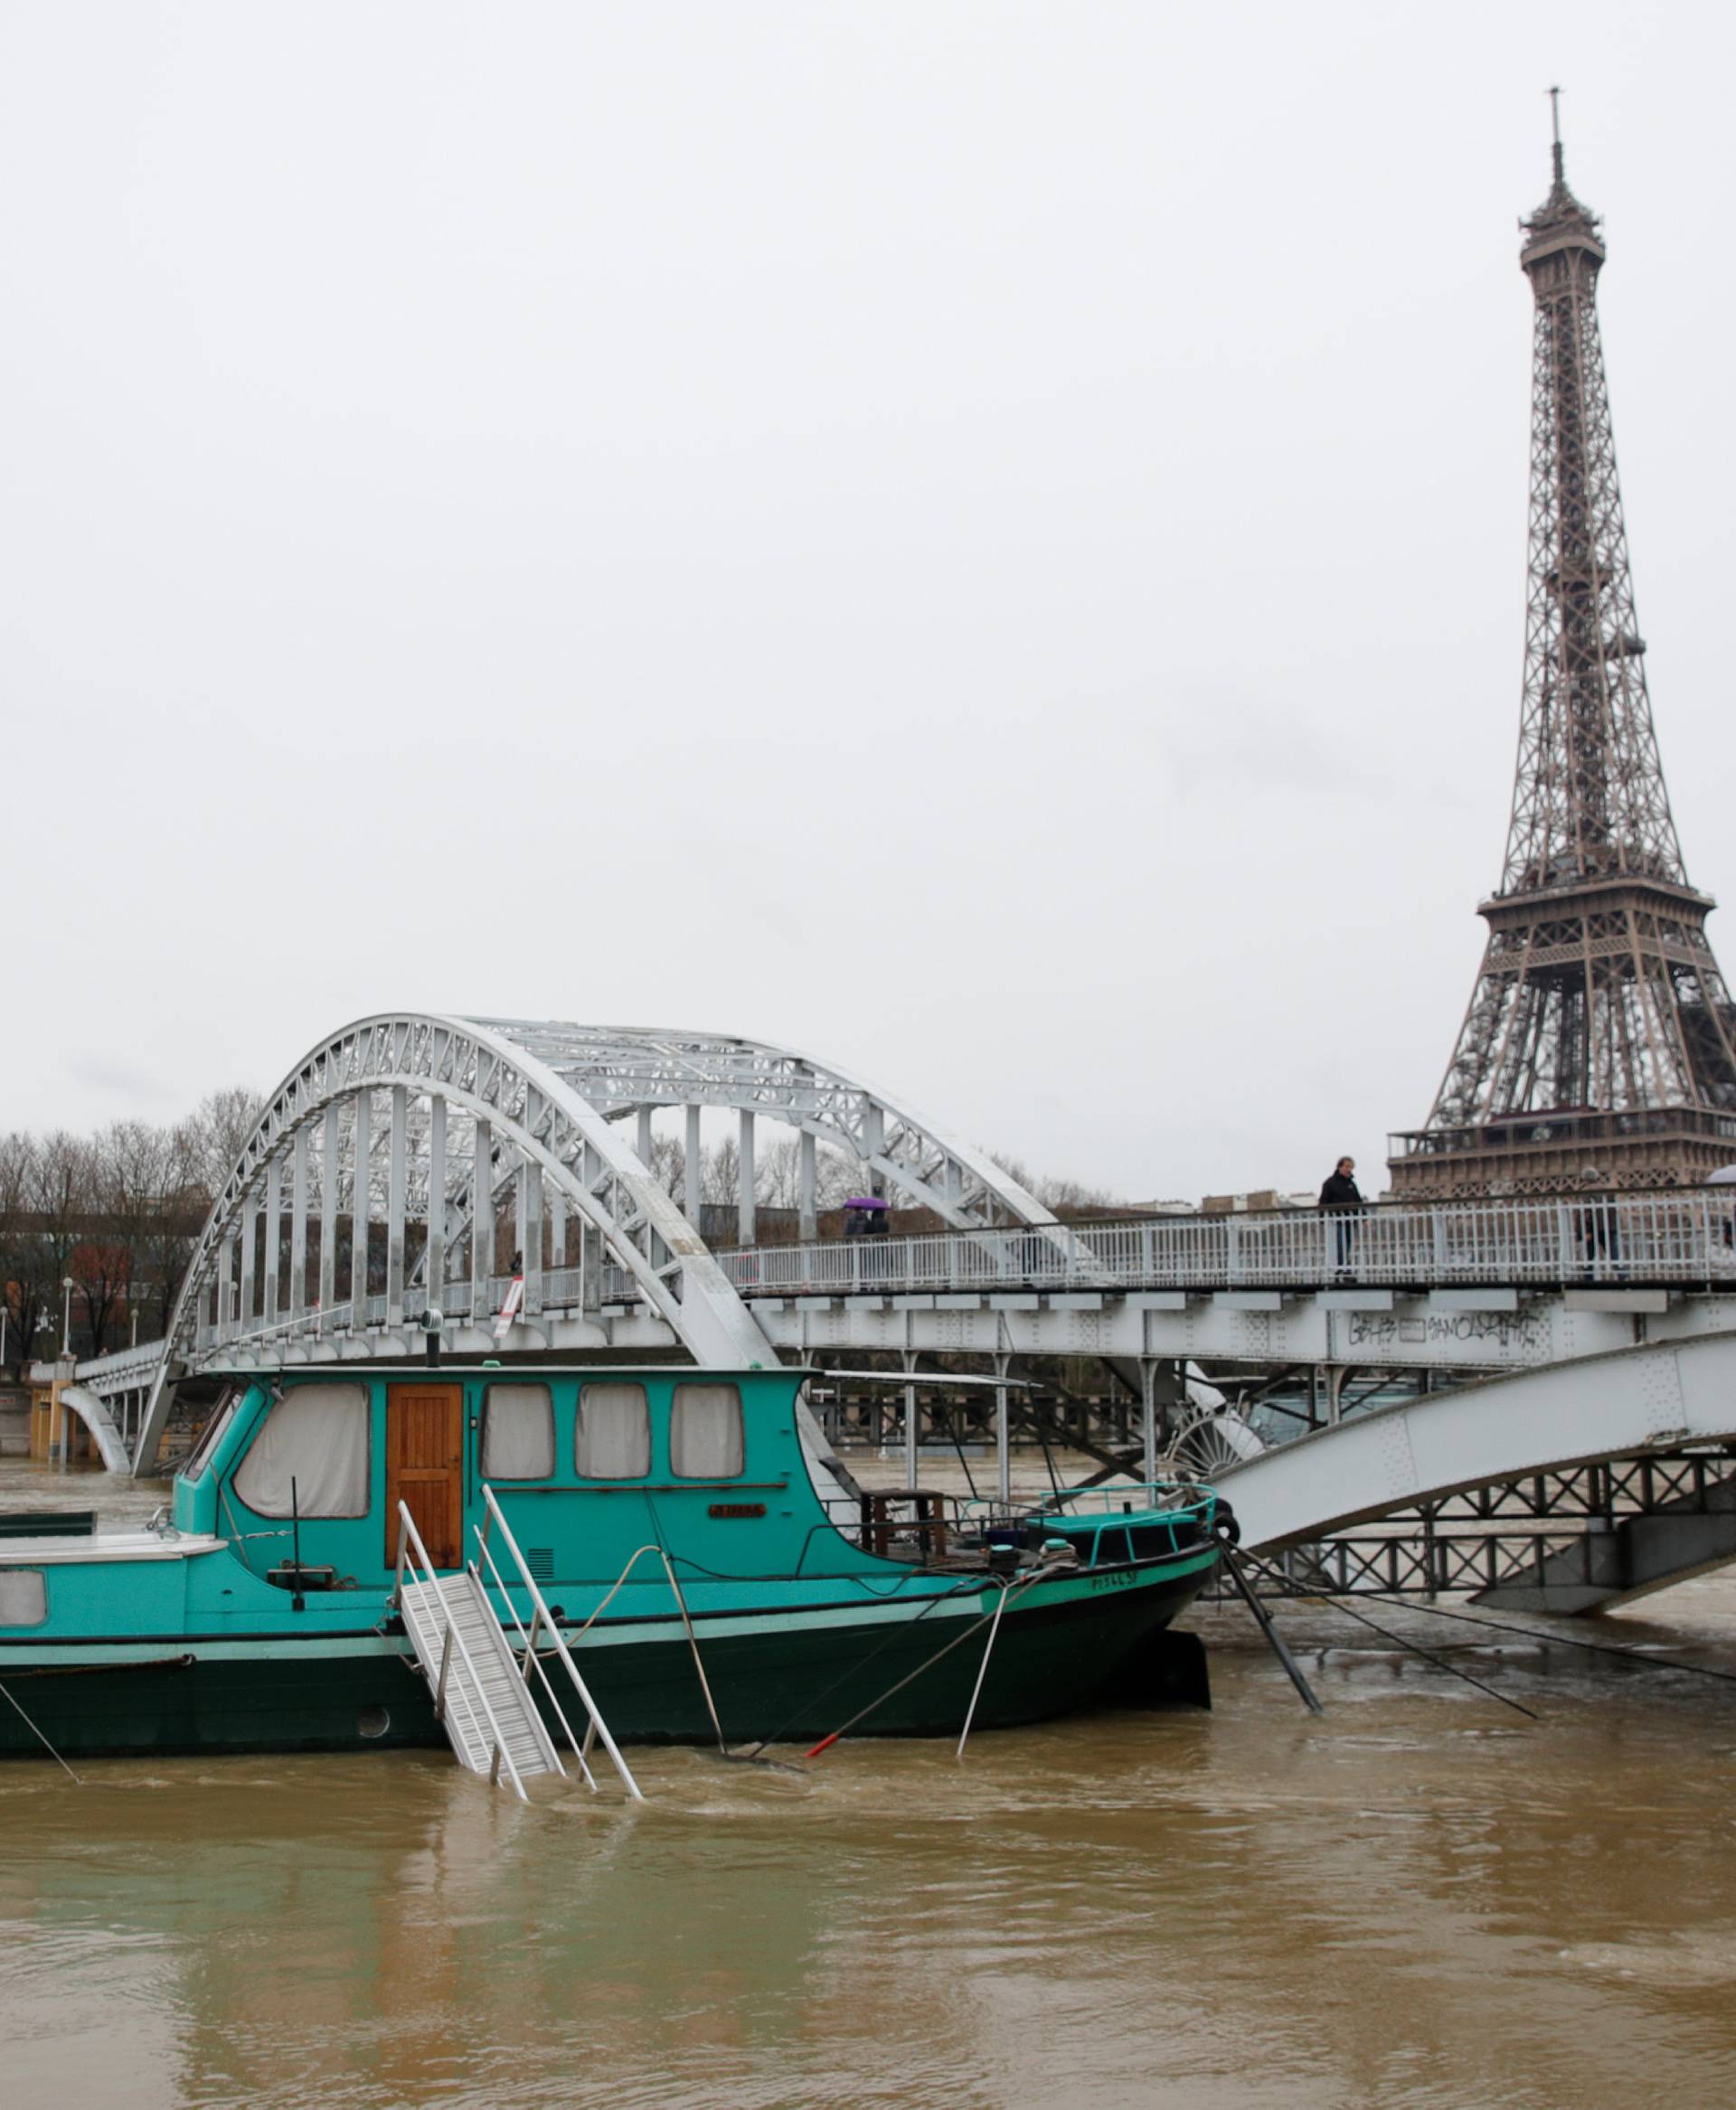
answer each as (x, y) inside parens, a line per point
(1423, 1898)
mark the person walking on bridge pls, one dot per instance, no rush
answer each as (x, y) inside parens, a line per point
(1341, 1199)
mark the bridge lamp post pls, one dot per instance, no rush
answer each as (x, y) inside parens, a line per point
(68, 1285)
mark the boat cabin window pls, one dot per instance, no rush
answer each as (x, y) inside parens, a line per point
(612, 1439)
(517, 1433)
(24, 1596)
(705, 1436)
(317, 1436)
(210, 1435)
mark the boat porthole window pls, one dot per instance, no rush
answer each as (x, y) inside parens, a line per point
(517, 1432)
(705, 1434)
(316, 1435)
(612, 1433)
(24, 1596)
(372, 1722)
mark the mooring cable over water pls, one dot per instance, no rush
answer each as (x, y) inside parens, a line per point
(1600, 1648)
(1441, 1663)
(975, 1627)
(1289, 1588)
(49, 1747)
(854, 1670)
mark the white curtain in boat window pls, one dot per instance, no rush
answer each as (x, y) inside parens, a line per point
(613, 1440)
(317, 1436)
(705, 1440)
(24, 1596)
(517, 1433)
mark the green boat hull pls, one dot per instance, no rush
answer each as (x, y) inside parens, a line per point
(1100, 1639)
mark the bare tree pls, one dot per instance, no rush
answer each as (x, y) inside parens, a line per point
(1062, 1195)
(778, 1174)
(720, 1171)
(55, 1199)
(214, 1134)
(19, 1272)
(669, 1164)
(154, 1207)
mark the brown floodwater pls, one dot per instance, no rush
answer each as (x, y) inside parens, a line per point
(1423, 1898)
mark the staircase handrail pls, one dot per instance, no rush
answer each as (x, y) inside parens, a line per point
(407, 1533)
(532, 1661)
(561, 1648)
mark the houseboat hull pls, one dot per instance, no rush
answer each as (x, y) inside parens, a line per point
(788, 1674)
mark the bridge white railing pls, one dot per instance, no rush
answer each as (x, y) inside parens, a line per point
(1682, 1240)
(1686, 1241)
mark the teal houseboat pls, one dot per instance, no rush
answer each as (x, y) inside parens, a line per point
(664, 1516)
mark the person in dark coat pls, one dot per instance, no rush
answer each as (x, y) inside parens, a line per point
(1341, 1199)
(1599, 1237)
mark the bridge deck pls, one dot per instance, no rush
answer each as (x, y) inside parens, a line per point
(1683, 1241)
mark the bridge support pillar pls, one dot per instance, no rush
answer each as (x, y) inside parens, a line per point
(482, 1224)
(911, 1433)
(225, 1288)
(530, 1174)
(434, 1254)
(299, 1225)
(328, 1150)
(808, 1215)
(1148, 1414)
(1002, 1444)
(361, 1196)
(249, 1235)
(397, 1184)
(270, 1257)
(693, 1167)
(746, 1229)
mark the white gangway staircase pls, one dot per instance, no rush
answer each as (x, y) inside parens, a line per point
(484, 1696)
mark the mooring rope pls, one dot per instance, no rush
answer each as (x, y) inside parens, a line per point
(1600, 1648)
(1400, 1641)
(862, 1713)
(49, 1747)
(1293, 1589)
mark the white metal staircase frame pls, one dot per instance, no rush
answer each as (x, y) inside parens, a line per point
(469, 1697)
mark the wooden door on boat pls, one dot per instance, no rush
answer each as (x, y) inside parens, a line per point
(425, 1468)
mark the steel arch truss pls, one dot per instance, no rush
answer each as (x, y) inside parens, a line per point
(622, 1070)
(394, 1122)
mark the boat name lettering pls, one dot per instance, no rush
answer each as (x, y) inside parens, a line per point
(1124, 1580)
(737, 1509)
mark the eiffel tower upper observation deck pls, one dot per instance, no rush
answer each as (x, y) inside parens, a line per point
(1600, 1046)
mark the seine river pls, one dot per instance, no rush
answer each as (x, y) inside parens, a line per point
(1423, 1898)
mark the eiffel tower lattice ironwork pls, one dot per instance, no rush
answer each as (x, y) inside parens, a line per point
(1600, 1047)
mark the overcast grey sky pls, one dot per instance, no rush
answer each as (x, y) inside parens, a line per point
(985, 541)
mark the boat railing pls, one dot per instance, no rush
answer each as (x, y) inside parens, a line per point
(541, 1618)
(1165, 1497)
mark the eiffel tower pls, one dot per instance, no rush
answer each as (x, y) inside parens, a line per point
(1600, 1047)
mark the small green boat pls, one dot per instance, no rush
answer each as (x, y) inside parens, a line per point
(665, 1515)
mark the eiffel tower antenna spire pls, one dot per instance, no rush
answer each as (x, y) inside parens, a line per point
(1600, 1046)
